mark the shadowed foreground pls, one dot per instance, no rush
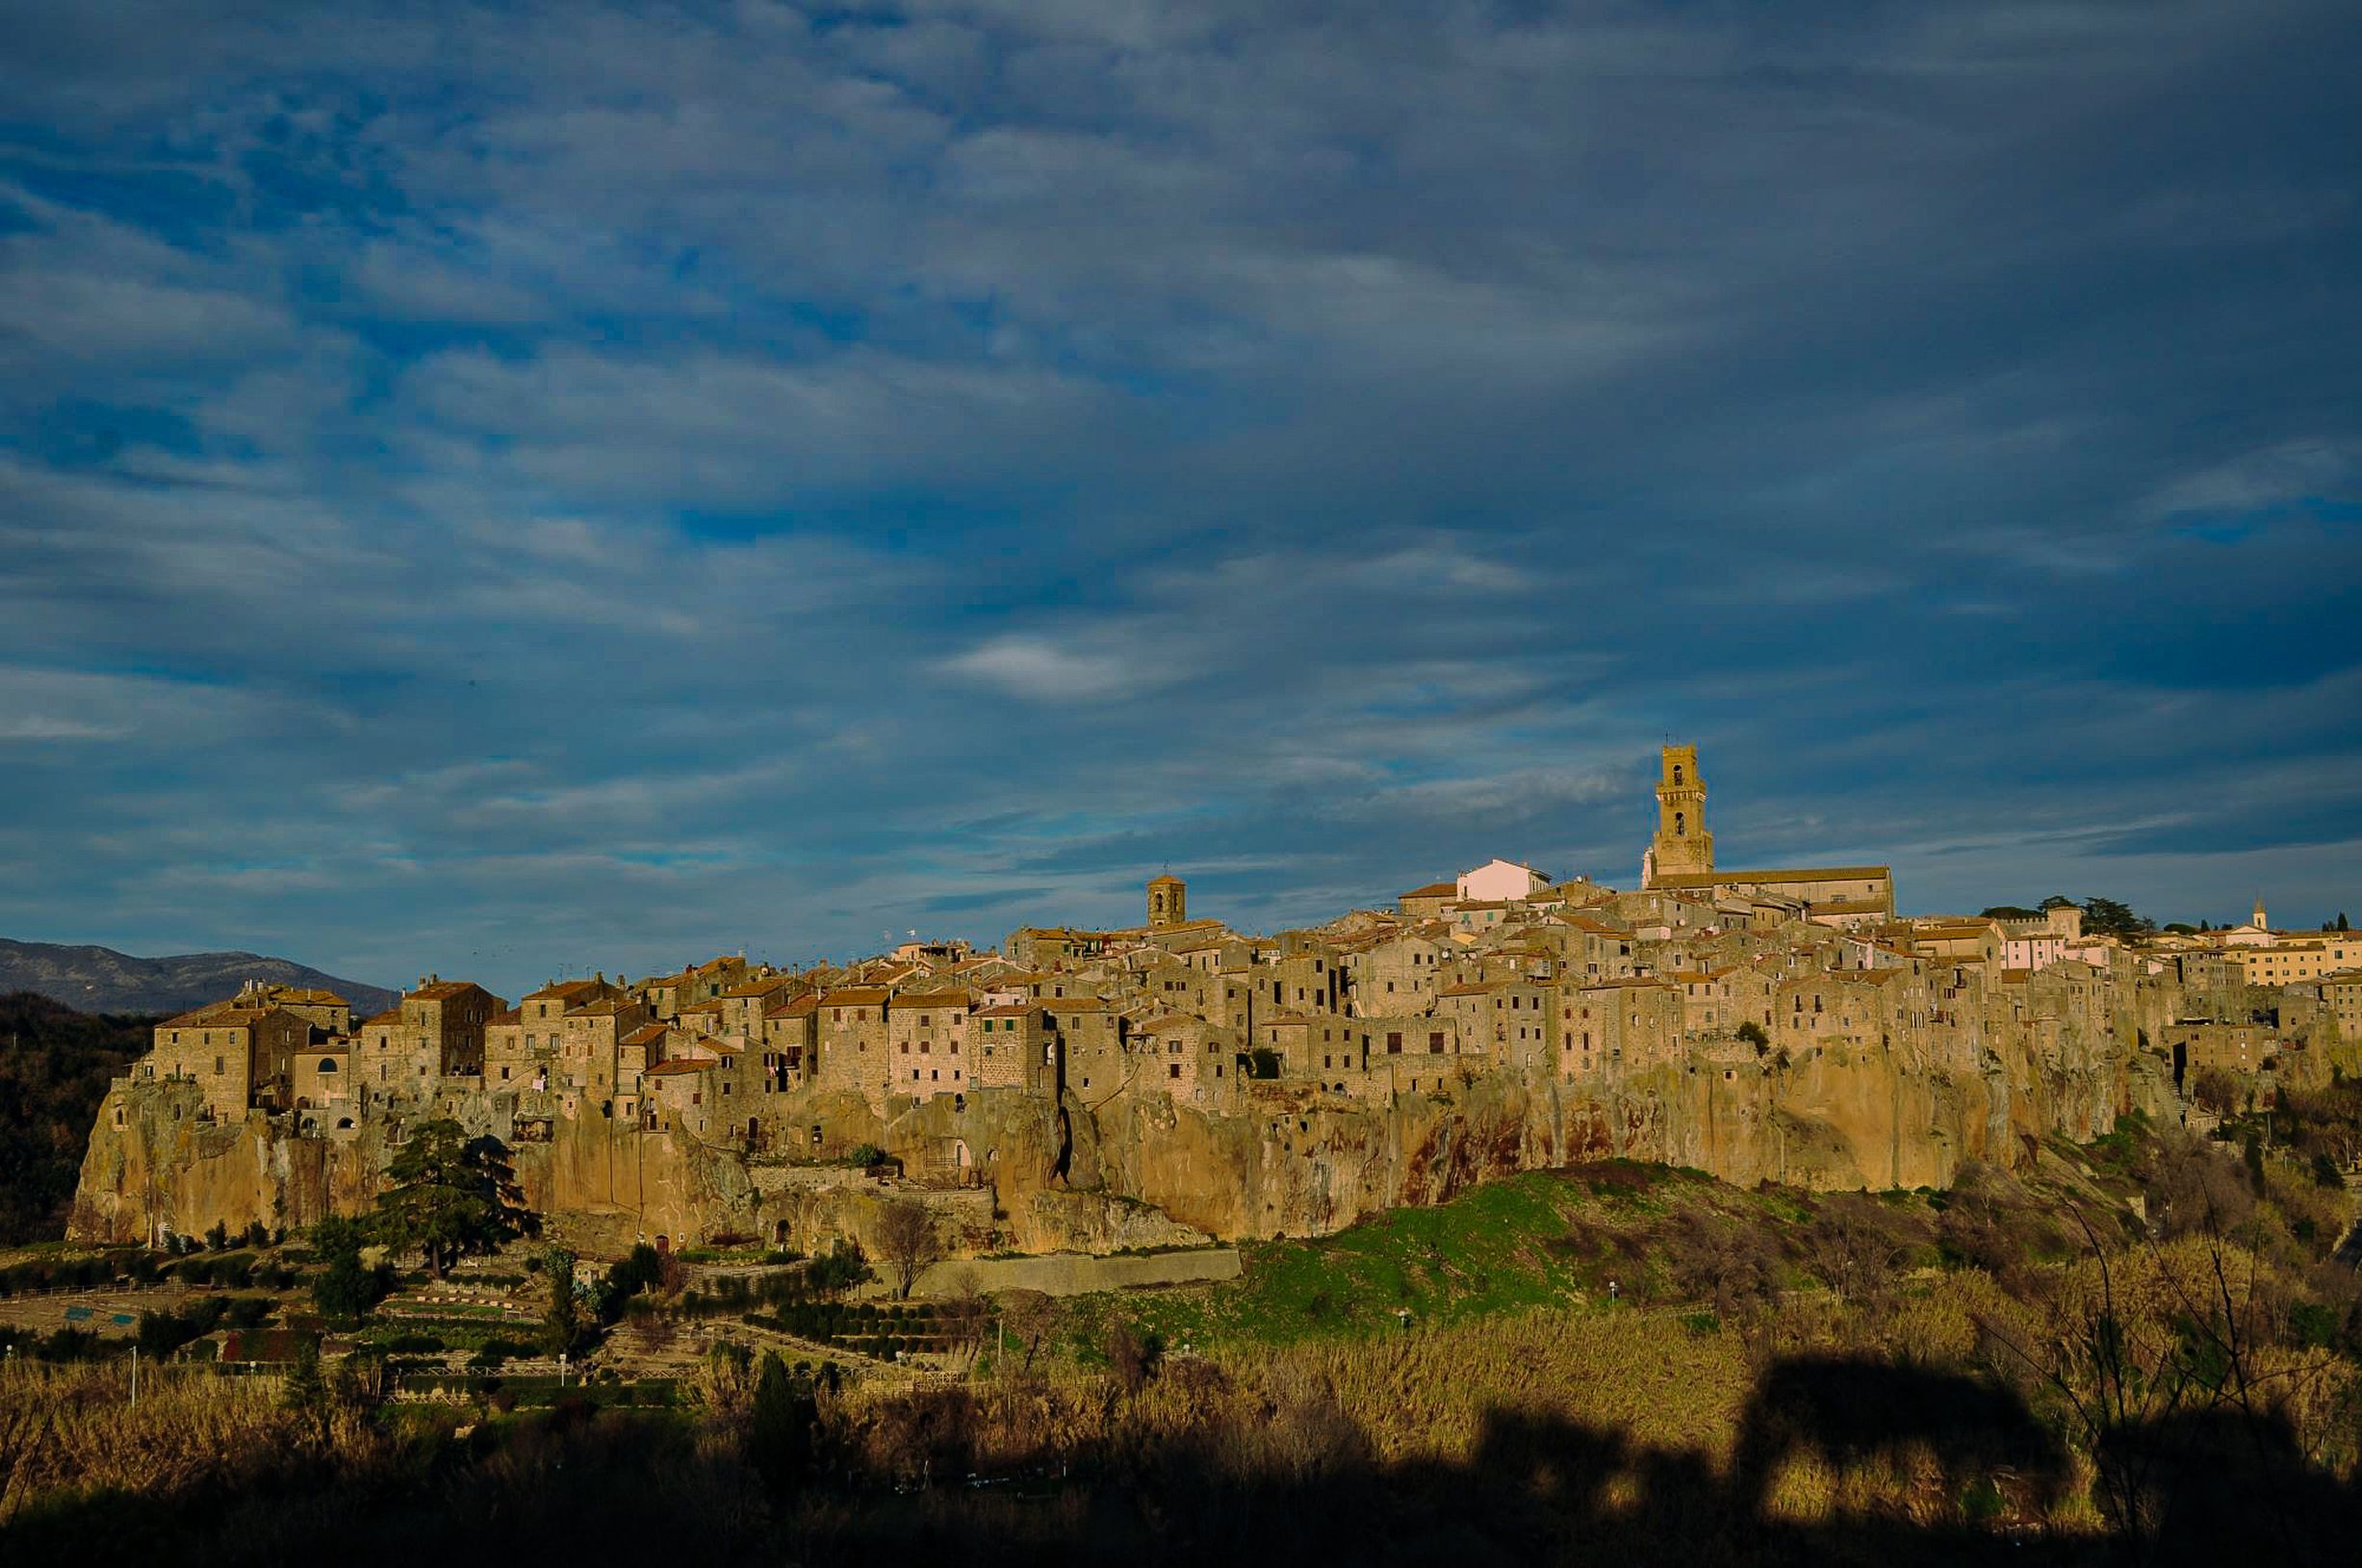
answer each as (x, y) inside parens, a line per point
(1959, 1471)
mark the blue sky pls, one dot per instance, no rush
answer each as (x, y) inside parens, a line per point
(490, 489)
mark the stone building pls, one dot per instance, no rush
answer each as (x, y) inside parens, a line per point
(241, 1056)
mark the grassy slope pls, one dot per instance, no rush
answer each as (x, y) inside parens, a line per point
(1537, 1239)
(1548, 1240)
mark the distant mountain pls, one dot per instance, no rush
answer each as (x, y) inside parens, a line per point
(102, 980)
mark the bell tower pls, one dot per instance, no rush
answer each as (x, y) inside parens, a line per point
(1681, 847)
(1169, 902)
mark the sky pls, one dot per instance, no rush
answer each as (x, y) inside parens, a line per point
(517, 490)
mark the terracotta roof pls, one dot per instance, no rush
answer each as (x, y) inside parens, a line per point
(1822, 873)
(646, 1035)
(800, 1007)
(562, 988)
(1006, 1012)
(515, 1014)
(444, 989)
(674, 1069)
(857, 996)
(933, 998)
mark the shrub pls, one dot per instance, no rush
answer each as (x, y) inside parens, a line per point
(1132, 1356)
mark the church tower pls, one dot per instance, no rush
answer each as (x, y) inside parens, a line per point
(1681, 847)
(1169, 902)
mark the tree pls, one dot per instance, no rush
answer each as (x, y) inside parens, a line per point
(344, 1291)
(451, 1194)
(1731, 1267)
(2216, 1090)
(561, 1325)
(908, 1240)
(306, 1392)
(779, 1437)
(2340, 921)
(1851, 1246)
(2108, 917)
(1752, 1034)
(651, 1326)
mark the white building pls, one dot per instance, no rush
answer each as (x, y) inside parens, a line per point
(1499, 880)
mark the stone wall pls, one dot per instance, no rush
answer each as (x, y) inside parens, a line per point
(1017, 1173)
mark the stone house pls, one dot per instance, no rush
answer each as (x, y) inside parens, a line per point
(854, 1041)
(925, 1031)
(239, 1056)
(1009, 1049)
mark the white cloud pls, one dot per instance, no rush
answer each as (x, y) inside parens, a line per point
(1041, 670)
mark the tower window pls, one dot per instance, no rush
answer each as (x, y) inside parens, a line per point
(1680, 825)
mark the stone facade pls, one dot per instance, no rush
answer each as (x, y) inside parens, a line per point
(1760, 1025)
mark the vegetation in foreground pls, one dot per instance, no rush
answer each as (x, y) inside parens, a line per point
(2014, 1367)
(53, 1074)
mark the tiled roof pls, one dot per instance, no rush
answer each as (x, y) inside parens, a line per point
(1821, 873)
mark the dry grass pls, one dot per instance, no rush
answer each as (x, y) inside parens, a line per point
(73, 1429)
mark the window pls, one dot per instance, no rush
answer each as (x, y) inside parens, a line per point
(1174, 1070)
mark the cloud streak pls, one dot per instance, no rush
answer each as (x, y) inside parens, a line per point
(650, 481)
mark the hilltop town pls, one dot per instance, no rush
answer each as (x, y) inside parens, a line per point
(1179, 1079)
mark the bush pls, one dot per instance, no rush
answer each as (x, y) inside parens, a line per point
(495, 1351)
(1132, 1356)
(840, 1270)
(246, 1311)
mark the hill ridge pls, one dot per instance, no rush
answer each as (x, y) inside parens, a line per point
(93, 979)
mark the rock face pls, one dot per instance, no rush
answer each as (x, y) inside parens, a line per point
(1034, 1176)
